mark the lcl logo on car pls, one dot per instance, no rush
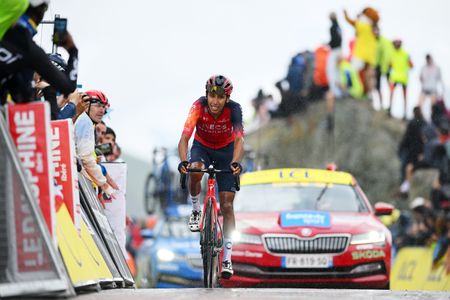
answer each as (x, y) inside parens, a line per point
(306, 231)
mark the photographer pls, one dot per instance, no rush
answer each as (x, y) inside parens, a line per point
(22, 57)
(43, 89)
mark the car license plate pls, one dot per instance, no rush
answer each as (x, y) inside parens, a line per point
(307, 261)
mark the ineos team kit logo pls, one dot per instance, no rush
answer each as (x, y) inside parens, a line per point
(7, 57)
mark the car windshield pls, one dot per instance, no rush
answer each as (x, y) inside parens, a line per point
(298, 196)
(177, 228)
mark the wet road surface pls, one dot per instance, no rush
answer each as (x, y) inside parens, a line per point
(261, 294)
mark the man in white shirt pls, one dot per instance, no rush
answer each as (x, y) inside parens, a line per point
(430, 77)
(85, 140)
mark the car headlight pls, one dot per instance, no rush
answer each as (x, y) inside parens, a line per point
(245, 238)
(371, 237)
(165, 255)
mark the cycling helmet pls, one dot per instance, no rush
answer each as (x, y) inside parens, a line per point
(58, 61)
(97, 96)
(219, 84)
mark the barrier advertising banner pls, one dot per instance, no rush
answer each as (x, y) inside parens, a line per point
(29, 126)
(83, 260)
(115, 210)
(30, 264)
(96, 212)
(413, 270)
(65, 167)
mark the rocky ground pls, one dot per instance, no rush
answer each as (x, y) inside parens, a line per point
(364, 143)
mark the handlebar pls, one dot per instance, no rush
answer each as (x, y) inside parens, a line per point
(210, 170)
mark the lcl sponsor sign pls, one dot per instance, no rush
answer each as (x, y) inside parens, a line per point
(65, 168)
(29, 126)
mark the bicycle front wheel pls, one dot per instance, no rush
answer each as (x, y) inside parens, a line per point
(208, 248)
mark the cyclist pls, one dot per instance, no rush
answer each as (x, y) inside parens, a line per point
(219, 137)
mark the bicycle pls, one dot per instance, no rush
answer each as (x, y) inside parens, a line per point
(211, 242)
(161, 190)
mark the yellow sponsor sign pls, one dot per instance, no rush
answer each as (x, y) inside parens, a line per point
(413, 270)
(81, 256)
(296, 176)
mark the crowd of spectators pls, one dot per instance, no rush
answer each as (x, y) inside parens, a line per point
(28, 74)
(326, 73)
(426, 145)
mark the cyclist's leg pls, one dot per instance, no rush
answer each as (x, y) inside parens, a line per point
(229, 225)
(198, 158)
(227, 190)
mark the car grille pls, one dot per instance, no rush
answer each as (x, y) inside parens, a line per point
(290, 244)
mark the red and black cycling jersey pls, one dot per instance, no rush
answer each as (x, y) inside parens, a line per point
(210, 132)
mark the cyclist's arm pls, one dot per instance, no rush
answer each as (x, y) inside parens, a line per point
(189, 126)
(238, 129)
(238, 151)
(183, 147)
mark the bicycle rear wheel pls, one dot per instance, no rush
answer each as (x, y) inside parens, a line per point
(151, 199)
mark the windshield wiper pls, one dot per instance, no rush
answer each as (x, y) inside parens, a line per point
(322, 192)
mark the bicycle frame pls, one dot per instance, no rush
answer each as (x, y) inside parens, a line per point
(211, 194)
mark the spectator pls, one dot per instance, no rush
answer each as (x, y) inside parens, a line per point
(50, 94)
(430, 77)
(110, 136)
(295, 79)
(364, 52)
(292, 88)
(11, 10)
(383, 56)
(350, 81)
(440, 194)
(264, 107)
(320, 69)
(441, 237)
(333, 69)
(100, 131)
(115, 155)
(420, 230)
(439, 113)
(16, 75)
(411, 149)
(85, 140)
(400, 65)
(308, 76)
(350, 85)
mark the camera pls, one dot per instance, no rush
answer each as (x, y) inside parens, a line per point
(59, 30)
(104, 149)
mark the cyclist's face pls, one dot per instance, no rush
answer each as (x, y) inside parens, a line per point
(216, 103)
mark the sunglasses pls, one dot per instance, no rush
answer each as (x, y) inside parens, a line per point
(218, 90)
(95, 102)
